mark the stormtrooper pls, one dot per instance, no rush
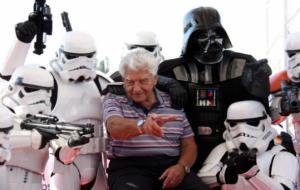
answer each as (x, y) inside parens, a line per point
(142, 39)
(249, 159)
(28, 93)
(76, 78)
(6, 124)
(145, 39)
(284, 100)
(213, 77)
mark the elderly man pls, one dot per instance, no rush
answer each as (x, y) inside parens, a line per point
(151, 144)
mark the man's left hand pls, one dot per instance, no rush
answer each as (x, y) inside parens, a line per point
(172, 176)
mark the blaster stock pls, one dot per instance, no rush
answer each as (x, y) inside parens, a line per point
(42, 17)
(49, 124)
(290, 102)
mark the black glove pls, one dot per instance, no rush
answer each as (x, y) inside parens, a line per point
(287, 142)
(229, 169)
(179, 95)
(26, 31)
(245, 161)
(255, 78)
(46, 137)
(77, 140)
(114, 88)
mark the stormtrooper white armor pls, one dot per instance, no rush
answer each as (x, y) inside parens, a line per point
(249, 159)
(75, 78)
(28, 93)
(83, 86)
(6, 124)
(145, 39)
(292, 48)
(280, 108)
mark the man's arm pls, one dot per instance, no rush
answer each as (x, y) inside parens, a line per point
(122, 128)
(188, 152)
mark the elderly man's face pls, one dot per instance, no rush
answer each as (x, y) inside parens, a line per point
(139, 85)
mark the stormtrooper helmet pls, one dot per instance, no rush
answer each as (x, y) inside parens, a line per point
(145, 39)
(246, 121)
(292, 48)
(29, 91)
(76, 58)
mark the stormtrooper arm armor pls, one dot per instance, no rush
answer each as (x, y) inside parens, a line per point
(15, 58)
(283, 176)
(212, 166)
(25, 138)
(4, 147)
(6, 124)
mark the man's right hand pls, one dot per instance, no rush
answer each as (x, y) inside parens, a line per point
(25, 31)
(154, 122)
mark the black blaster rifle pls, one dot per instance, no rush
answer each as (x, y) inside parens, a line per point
(42, 17)
(290, 102)
(49, 124)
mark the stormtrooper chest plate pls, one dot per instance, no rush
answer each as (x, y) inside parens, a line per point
(77, 101)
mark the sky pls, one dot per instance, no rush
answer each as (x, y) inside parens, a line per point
(110, 21)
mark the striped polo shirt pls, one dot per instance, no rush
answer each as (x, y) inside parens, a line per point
(146, 145)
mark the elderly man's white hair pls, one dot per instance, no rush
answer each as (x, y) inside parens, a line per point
(137, 59)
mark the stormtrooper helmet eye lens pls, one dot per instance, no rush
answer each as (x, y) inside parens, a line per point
(71, 56)
(291, 54)
(253, 123)
(232, 124)
(28, 89)
(149, 48)
(90, 55)
(132, 47)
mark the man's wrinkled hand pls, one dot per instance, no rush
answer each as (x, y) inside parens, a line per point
(172, 176)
